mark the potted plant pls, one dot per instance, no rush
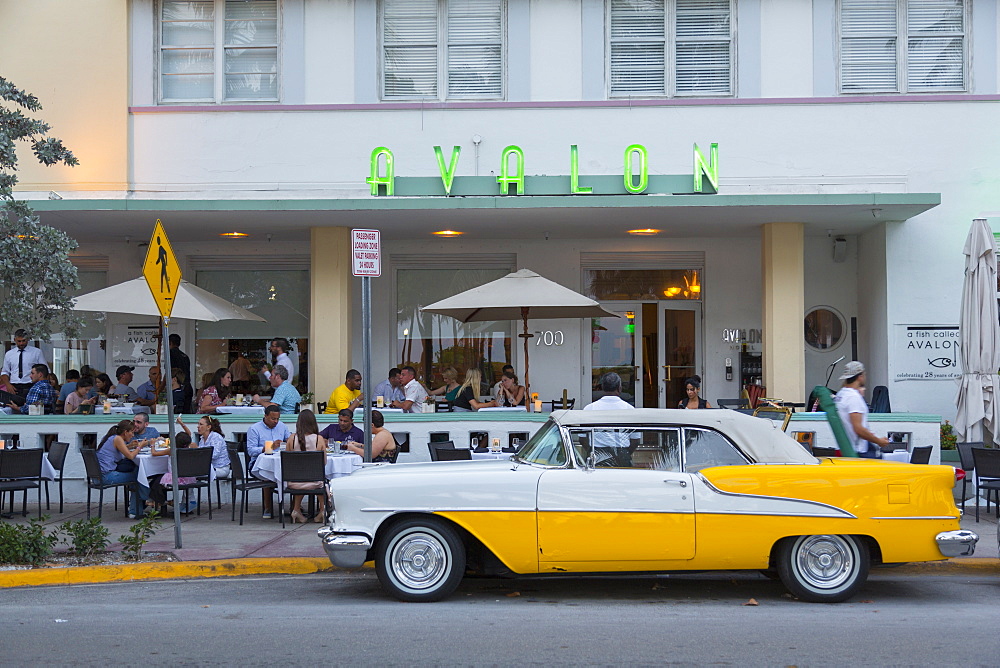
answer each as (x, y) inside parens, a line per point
(949, 440)
(306, 402)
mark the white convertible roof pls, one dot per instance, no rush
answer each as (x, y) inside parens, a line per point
(760, 438)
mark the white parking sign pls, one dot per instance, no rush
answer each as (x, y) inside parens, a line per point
(366, 253)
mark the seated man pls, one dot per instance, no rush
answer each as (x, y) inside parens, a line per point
(344, 430)
(414, 394)
(285, 396)
(347, 395)
(148, 391)
(124, 387)
(144, 433)
(271, 428)
(41, 391)
(390, 389)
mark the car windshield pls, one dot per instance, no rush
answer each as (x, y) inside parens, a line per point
(545, 447)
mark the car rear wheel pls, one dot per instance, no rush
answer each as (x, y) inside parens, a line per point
(420, 559)
(823, 569)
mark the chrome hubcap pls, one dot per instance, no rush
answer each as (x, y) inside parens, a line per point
(825, 562)
(419, 560)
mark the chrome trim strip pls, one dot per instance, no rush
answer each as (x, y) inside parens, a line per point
(920, 517)
(773, 498)
(838, 515)
(617, 510)
(447, 509)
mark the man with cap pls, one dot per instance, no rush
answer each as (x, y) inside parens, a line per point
(124, 387)
(853, 411)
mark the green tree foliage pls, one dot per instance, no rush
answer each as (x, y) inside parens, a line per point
(37, 279)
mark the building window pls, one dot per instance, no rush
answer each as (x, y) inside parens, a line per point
(824, 328)
(903, 46)
(670, 47)
(442, 49)
(218, 50)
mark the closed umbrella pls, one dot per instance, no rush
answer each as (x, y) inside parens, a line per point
(518, 296)
(978, 398)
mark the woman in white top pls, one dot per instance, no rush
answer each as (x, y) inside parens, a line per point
(307, 438)
(210, 435)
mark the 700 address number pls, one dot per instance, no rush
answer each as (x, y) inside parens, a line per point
(549, 338)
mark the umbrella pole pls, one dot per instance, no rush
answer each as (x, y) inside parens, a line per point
(525, 335)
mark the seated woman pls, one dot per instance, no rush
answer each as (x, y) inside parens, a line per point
(161, 484)
(467, 398)
(306, 438)
(102, 385)
(450, 387)
(693, 386)
(114, 449)
(80, 397)
(383, 444)
(210, 435)
(216, 392)
(511, 393)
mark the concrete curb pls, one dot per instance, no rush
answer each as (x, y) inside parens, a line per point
(170, 570)
(181, 570)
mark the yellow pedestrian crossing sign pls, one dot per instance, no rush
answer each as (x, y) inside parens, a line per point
(161, 271)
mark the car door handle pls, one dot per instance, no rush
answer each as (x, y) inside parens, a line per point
(682, 483)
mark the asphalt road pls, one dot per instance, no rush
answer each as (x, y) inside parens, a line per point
(345, 619)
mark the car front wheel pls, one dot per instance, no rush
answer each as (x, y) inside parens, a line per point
(823, 569)
(420, 560)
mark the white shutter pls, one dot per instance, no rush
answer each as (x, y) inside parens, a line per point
(187, 58)
(637, 40)
(409, 48)
(703, 49)
(935, 42)
(251, 49)
(475, 48)
(868, 31)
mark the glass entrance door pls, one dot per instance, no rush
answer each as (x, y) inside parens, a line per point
(613, 347)
(679, 349)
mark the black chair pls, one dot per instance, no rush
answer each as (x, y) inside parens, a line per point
(732, 403)
(967, 463)
(921, 454)
(320, 407)
(239, 482)
(195, 463)
(235, 447)
(987, 462)
(558, 405)
(825, 452)
(20, 471)
(454, 455)
(302, 467)
(94, 481)
(402, 439)
(437, 447)
(57, 458)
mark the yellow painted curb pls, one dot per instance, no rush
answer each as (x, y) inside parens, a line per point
(164, 570)
(967, 565)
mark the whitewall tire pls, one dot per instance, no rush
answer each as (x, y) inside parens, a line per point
(420, 559)
(825, 568)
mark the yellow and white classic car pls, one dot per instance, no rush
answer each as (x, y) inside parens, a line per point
(645, 491)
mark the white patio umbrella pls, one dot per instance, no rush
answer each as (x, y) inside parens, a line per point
(978, 398)
(191, 303)
(518, 296)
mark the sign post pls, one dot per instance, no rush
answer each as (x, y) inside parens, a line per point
(366, 261)
(163, 275)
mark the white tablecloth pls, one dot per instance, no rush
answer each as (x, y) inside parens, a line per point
(491, 455)
(268, 467)
(896, 456)
(150, 466)
(508, 409)
(48, 472)
(119, 410)
(241, 410)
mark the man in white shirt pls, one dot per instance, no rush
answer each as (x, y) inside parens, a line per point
(18, 361)
(415, 394)
(853, 411)
(611, 385)
(279, 351)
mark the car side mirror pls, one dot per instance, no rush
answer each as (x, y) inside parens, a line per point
(592, 460)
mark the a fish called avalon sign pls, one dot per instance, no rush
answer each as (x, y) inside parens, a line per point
(636, 179)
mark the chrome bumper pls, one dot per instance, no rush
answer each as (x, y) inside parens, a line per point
(344, 550)
(961, 543)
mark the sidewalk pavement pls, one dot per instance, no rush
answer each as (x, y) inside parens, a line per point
(221, 547)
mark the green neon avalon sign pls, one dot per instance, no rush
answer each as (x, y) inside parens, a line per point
(511, 180)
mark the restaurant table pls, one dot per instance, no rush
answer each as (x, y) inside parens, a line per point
(240, 410)
(48, 472)
(268, 466)
(491, 455)
(896, 456)
(380, 410)
(119, 410)
(150, 466)
(499, 409)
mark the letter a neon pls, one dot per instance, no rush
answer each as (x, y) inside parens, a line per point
(390, 172)
(505, 179)
(447, 174)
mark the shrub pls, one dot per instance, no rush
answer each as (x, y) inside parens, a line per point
(26, 543)
(86, 537)
(140, 532)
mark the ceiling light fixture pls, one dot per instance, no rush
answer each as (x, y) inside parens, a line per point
(447, 233)
(233, 235)
(648, 232)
